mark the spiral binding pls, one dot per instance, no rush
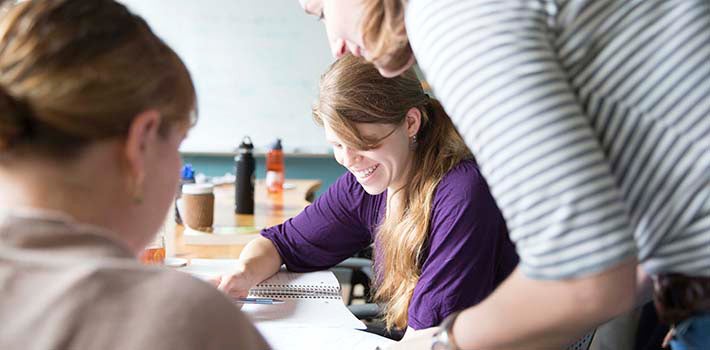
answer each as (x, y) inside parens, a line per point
(298, 291)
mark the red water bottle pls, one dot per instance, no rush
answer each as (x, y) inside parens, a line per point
(275, 168)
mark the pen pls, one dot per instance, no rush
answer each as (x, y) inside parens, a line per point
(264, 301)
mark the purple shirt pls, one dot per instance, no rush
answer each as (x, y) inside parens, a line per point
(467, 256)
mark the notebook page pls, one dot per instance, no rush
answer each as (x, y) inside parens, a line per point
(321, 339)
(209, 268)
(300, 313)
(318, 278)
(312, 285)
(294, 312)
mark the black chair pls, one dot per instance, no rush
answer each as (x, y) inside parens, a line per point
(370, 313)
(361, 274)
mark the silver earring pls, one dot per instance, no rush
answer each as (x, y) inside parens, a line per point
(413, 144)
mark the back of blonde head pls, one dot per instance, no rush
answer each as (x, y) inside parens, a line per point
(77, 71)
(352, 91)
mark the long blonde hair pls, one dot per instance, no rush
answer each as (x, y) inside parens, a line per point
(77, 71)
(352, 91)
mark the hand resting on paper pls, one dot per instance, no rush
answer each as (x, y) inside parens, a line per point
(235, 284)
(258, 261)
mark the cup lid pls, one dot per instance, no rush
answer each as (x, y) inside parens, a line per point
(197, 188)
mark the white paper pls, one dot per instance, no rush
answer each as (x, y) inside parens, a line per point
(318, 278)
(300, 313)
(314, 338)
(294, 312)
(209, 268)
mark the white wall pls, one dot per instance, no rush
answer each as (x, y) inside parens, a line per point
(256, 66)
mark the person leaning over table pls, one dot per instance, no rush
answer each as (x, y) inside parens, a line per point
(412, 188)
(93, 107)
(589, 119)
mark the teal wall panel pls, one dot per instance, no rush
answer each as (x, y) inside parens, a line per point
(325, 169)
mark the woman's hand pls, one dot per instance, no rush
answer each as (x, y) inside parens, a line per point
(258, 261)
(237, 283)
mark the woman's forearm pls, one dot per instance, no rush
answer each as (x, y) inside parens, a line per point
(260, 259)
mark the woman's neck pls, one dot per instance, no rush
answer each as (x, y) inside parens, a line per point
(397, 189)
(46, 188)
(401, 181)
(395, 202)
(80, 189)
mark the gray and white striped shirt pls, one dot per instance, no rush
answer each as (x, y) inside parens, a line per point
(590, 120)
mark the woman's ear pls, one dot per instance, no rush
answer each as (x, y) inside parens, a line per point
(142, 133)
(414, 121)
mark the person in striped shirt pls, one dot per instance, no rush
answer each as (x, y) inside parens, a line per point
(589, 119)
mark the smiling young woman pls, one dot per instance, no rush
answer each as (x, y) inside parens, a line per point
(412, 188)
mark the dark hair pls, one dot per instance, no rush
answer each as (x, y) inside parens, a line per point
(76, 71)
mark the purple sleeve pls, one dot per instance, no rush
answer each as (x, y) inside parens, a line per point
(469, 251)
(328, 231)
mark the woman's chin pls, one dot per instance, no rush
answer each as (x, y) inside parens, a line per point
(373, 188)
(373, 191)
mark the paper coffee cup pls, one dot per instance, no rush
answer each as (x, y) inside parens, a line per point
(198, 202)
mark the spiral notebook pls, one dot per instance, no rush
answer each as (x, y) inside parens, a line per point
(291, 285)
(311, 299)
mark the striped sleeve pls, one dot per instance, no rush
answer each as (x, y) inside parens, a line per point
(493, 65)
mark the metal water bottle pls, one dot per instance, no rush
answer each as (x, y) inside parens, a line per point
(244, 168)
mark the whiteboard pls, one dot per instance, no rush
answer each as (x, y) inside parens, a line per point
(255, 64)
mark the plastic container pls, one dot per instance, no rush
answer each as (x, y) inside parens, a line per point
(187, 176)
(275, 169)
(154, 252)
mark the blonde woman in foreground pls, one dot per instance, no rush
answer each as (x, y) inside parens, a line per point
(93, 107)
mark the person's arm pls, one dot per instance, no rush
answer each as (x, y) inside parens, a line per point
(548, 314)
(261, 259)
(258, 261)
(525, 313)
(323, 234)
(496, 69)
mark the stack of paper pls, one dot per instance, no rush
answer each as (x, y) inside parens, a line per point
(312, 316)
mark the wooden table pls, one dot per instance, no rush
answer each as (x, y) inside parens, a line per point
(269, 209)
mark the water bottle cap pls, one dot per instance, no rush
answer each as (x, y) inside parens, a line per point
(187, 172)
(277, 145)
(246, 145)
